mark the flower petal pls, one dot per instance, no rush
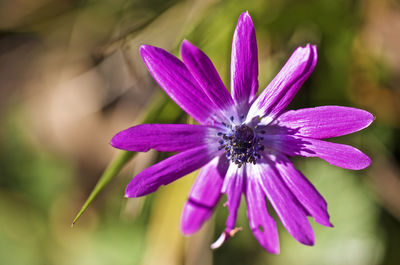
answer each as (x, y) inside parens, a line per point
(290, 211)
(326, 121)
(233, 188)
(204, 195)
(168, 170)
(304, 191)
(244, 61)
(261, 223)
(163, 137)
(280, 92)
(340, 155)
(173, 76)
(207, 76)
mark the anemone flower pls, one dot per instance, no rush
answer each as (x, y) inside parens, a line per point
(243, 141)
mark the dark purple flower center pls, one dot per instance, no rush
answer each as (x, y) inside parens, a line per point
(241, 144)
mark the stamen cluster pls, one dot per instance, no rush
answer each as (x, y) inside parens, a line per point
(241, 143)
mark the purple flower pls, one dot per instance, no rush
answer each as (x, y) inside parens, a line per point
(243, 141)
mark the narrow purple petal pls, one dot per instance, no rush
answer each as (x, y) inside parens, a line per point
(340, 155)
(207, 76)
(233, 188)
(291, 213)
(168, 170)
(261, 223)
(173, 76)
(244, 61)
(204, 195)
(163, 137)
(304, 191)
(326, 121)
(280, 92)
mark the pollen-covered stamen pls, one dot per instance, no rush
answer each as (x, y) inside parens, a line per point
(241, 144)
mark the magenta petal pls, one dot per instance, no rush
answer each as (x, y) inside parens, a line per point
(340, 155)
(261, 223)
(233, 188)
(304, 191)
(168, 170)
(326, 121)
(290, 211)
(173, 76)
(204, 195)
(244, 61)
(207, 76)
(280, 92)
(162, 137)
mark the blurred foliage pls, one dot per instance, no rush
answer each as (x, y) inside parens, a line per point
(72, 78)
(155, 114)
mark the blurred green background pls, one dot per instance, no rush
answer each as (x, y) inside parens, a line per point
(71, 77)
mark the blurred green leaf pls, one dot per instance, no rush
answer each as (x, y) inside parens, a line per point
(116, 165)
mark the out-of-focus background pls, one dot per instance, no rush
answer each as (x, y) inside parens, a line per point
(71, 77)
